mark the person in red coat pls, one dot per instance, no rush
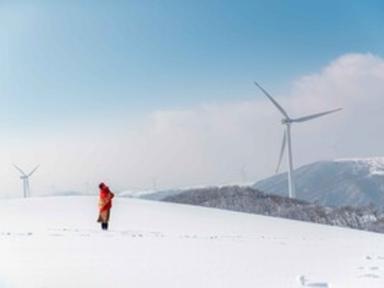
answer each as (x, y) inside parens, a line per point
(105, 204)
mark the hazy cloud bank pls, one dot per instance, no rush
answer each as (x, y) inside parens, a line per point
(214, 143)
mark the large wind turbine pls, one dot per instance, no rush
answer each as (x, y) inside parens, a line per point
(25, 178)
(287, 121)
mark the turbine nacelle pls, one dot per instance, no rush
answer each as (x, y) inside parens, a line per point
(286, 121)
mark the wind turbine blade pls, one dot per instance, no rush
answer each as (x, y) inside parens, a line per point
(281, 152)
(33, 171)
(310, 117)
(19, 169)
(272, 100)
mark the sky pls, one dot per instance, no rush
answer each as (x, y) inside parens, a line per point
(160, 94)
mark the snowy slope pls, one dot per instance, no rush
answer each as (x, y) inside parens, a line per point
(353, 182)
(55, 242)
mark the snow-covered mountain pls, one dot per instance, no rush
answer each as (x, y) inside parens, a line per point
(56, 242)
(347, 182)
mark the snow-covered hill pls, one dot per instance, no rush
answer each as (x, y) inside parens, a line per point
(162, 194)
(353, 182)
(55, 242)
(250, 200)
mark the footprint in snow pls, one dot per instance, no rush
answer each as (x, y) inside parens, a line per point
(369, 271)
(16, 234)
(307, 283)
(370, 275)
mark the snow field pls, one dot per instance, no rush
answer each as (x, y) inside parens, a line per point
(56, 242)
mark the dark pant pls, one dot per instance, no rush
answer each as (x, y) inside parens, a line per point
(104, 226)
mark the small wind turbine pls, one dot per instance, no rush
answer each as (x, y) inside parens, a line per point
(25, 178)
(243, 174)
(154, 184)
(287, 121)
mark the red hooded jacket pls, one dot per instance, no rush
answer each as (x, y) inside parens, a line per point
(105, 198)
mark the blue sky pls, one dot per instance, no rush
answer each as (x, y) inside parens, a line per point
(73, 64)
(61, 60)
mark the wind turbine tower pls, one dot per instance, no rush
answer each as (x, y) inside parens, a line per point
(287, 122)
(25, 177)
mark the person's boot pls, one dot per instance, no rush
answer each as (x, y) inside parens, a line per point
(104, 226)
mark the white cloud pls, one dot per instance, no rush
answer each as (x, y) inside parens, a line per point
(356, 83)
(216, 143)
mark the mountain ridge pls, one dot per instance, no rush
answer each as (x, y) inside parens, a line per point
(336, 183)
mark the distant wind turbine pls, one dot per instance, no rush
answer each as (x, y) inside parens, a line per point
(287, 121)
(25, 177)
(243, 173)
